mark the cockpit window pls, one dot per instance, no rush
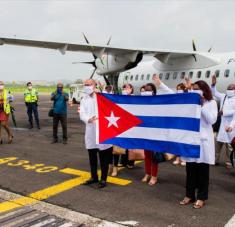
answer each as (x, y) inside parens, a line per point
(208, 73)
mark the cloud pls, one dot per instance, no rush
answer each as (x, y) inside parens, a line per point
(147, 24)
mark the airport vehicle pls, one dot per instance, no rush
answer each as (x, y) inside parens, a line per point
(122, 65)
(76, 92)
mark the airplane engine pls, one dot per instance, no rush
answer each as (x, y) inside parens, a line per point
(110, 64)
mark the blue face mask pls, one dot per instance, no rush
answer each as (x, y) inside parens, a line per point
(59, 90)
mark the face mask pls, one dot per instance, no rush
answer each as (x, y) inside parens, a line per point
(30, 87)
(1, 87)
(124, 92)
(180, 91)
(88, 90)
(230, 93)
(142, 93)
(148, 93)
(198, 92)
(59, 90)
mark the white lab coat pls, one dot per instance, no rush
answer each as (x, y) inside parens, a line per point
(87, 111)
(207, 147)
(227, 117)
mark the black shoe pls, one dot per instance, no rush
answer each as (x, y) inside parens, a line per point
(65, 141)
(90, 181)
(54, 141)
(39, 127)
(102, 184)
(1, 142)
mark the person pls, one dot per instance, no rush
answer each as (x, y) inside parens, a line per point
(31, 102)
(60, 99)
(127, 89)
(197, 169)
(226, 111)
(151, 168)
(5, 109)
(180, 88)
(88, 115)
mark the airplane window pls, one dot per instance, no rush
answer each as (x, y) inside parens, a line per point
(126, 77)
(199, 74)
(182, 75)
(131, 77)
(167, 76)
(190, 75)
(208, 73)
(136, 77)
(217, 73)
(142, 76)
(175, 74)
(226, 73)
(148, 77)
(160, 76)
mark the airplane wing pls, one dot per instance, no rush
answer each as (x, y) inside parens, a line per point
(164, 56)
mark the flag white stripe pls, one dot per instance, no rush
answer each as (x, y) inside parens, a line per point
(169, 135)
(174, 110)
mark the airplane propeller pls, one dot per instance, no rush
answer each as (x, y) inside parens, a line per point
(95, 57)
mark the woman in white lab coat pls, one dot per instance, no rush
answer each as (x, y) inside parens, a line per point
(197, 169)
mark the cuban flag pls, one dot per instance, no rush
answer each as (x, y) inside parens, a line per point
(162, 123)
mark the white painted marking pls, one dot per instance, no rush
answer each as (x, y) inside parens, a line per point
(48, 221)
(231, 222)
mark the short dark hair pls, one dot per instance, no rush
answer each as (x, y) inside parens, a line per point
(205, 89)
(154, 89)
(29, 83)
(142, 87)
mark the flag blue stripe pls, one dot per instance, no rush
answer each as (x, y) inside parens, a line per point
(184, 98)
(180, 149)
(183, 123)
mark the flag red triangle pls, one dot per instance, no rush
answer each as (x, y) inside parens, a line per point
(113, 120)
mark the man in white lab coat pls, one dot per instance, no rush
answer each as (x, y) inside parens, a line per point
(226, 111)
(88, 115)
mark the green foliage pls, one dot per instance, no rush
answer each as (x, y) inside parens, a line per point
(40, 89)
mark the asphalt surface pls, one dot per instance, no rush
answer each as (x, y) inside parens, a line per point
(149, 206)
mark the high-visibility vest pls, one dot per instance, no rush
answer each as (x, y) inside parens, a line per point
(6, 105)
(31, 96)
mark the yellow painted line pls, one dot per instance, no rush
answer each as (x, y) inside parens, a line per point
(56, 189)
(113, 180)
(42, 194)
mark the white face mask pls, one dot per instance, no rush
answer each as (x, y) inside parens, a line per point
(1, 87)
(88, 89)
(148, 93)
(180, 91)
(30, 87)
(124, 92)
(230, 93)
(142, 93)
(198, 92)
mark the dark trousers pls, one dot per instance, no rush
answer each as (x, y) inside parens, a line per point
(125, 161)
(197, 179)
(114, 159)
(32, 109)
(104, 157)
(63, 120)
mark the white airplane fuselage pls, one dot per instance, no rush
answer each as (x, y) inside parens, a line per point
(173, 74)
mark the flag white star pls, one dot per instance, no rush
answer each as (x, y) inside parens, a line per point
(112, 120)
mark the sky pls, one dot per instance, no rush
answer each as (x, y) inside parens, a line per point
(133, 24)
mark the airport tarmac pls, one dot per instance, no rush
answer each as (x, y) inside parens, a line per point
(37, 170)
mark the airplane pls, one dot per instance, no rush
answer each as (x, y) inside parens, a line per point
(122, 65)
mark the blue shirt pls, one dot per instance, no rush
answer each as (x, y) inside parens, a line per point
(60, 105)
